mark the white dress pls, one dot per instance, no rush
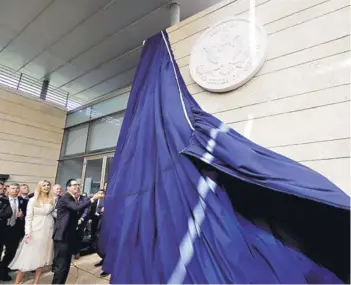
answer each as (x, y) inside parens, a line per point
(38, 252)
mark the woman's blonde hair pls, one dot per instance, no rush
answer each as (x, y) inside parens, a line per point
(38, 191)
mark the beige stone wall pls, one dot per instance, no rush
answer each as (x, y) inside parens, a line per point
(299, 103)
(30, 138)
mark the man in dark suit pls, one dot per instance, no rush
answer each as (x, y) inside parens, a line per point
(96, 226)
(96, 213)
(65, 229)
(82, 222)
(24, 192)
(5, 214)
(99, 213)
(15, 226)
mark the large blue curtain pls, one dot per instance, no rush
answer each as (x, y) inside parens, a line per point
(190, 200)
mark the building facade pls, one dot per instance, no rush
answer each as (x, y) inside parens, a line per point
(297, 105)
(31, 136)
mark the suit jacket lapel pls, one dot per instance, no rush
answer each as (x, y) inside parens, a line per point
(72, 197)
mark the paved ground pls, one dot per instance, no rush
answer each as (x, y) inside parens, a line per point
(82, 272)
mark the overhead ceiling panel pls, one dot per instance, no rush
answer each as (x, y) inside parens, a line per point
(86, 47)
(6, 36)
(104, 72)
(15, 15)
(115, 83)
(40, 66)
(95, 29)
(131, 37)
(58, 19)
(191, 7)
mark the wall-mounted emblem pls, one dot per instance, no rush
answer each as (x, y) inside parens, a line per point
(228, 54)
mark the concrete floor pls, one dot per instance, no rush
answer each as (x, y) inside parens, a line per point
(82, 272)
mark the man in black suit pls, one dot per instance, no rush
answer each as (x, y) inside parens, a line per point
(98, 220)
(15, 226)
(5, 214)
(65, 229)
(96, 213)
(24, 192)
(82, 222)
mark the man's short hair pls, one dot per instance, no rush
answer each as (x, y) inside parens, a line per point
(22, 185)
(2, 183)
(69, 182)
(15, 184)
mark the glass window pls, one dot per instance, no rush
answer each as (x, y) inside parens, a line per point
(109, 163)
(76, 138)
(68, 169)
(110, 106)
(78, 117)
(93, 176)
(104, 132)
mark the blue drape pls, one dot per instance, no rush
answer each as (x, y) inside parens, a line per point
(190, 200)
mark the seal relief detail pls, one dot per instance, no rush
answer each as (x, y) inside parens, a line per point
(228, 55)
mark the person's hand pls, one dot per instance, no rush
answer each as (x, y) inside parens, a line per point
(98, 195)
(27, 238)
(102, 209)
(80, 221)
(20, 214)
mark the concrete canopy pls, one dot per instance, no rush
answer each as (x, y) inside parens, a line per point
(87, 48)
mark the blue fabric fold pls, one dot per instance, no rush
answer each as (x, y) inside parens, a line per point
(190, 200)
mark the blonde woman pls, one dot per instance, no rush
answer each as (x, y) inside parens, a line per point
(36, 248)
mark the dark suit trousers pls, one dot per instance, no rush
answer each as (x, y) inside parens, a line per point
(2, 242)
(12, 240)
(62, 261)
(79, 235)
(98, 251)
(2, 236)
(94, 229)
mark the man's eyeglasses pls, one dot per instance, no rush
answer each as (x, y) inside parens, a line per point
(75, 185)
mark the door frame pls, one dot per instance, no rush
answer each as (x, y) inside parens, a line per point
(104, 158)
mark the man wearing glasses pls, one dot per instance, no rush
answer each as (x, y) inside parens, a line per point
(65, 229)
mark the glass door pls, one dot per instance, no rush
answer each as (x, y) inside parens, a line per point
(109, 161)
(95, 173)
(92, 168)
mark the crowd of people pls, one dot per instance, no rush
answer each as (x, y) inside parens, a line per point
(46, 228)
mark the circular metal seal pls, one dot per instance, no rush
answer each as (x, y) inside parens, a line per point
(228, 54)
